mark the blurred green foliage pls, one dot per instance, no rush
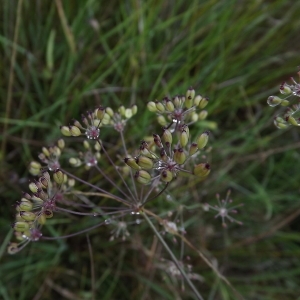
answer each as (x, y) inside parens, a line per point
(73, 55)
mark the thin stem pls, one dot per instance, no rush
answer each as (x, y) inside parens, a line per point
(189, 282)
(95, 187)
(132, 179)
(120, 175)
(111, 182)
(92, 267)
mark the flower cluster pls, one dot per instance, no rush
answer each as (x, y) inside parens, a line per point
(49, 157)
(223, 210)
(34, 209)
(172, 157)
(291, 116)
(180, 109)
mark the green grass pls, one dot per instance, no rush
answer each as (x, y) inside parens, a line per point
(236, 53)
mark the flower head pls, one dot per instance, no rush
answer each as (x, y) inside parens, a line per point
(223, 211)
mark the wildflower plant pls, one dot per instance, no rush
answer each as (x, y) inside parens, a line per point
(291, 115)
(143, 176)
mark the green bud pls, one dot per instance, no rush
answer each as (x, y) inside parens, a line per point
(166, 176)
(190, 94)
(121, 110)
(75, 131)
(46, 151)
(33, 187)
(160, 107)
(163, 155)
(27, 215)
(142, 177)
(162, 121)
(194, 117)
(106, 119)
(131, 163)
(134, 109)
(167, 136)
(203, 114)
(144, 162)
(100, 112)
(58, 177)
(44, 182)
(203, 102)
(274, 100)
(61, 143)
(179, 156)
(202, 140)
(65, 130)
(281, 125)
(197, 100)
(109, 111)
(128, 113)
(151, 106)
(177, 102)
(285, 102)
(20, 226)
(169, 105)
(77, 124)
(285, 89)
(75, 162)
(292, 121)
(183, 138)
(202, 170)
(193, 149)
(25, 205)
(34, 168)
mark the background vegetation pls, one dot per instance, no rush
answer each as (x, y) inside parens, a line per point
(60, 58)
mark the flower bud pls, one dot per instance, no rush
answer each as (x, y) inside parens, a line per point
(160, 107)
(34, 168)
(193, 149)
(128, 113)
(177, 102)
(121, 110)
(25, 205)
(285, 102)
(61, 143)
(274, 100)
(202, 170)
(27, 215)
(179, 156)
(134, 109)
(109, 111)
(163, 155)
(131, 163)
(190, 94)
(44, 182)
(203, 114)
(33, 187)
(144, 162)
(292, 121)
(75, 131)
(151, 106)
(166, 176)
(157, 140)
(184, 138)
(197, 100)
(169, 105)
(167, 136)
(65, 130)
(20, 226)
(202, 140)
(142, 177)
(285, 89)
(203, 102)
(75, 162)
(46, 151)
(162, 121)
(58, 177)
(100, 112)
